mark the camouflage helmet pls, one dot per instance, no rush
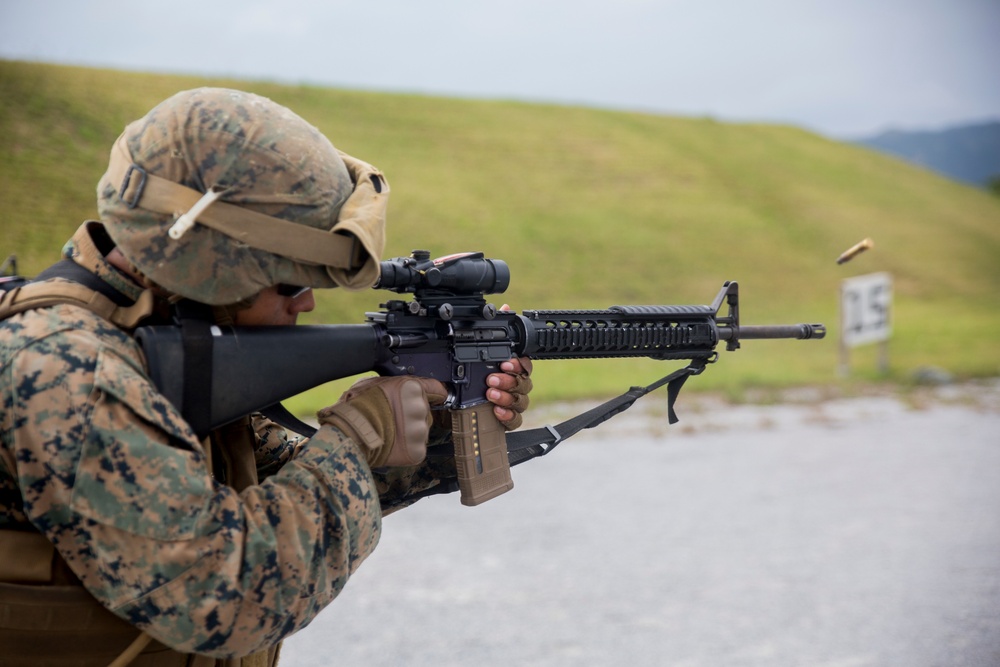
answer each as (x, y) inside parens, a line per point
(217, 194)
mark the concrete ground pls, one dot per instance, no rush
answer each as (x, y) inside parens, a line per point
(845, 532)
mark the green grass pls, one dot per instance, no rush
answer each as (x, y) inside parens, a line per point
(589, 208)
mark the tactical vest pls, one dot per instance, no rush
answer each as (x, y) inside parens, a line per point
(47, 618)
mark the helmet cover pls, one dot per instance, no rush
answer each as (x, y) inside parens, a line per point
(260, 156)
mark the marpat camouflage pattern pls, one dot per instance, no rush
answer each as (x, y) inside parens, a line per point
(103, 466)
(260, 156)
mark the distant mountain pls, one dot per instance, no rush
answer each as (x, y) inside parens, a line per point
(969, 153)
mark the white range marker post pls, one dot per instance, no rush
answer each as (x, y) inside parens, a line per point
(865, 316)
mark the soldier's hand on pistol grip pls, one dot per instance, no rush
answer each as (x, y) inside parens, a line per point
(509, 391)
(390, 417)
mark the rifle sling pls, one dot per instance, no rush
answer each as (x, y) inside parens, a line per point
(525, 445)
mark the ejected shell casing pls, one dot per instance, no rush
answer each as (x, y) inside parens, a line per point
(855, 250)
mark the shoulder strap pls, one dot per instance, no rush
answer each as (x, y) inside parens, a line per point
(85, 290)
(70, 270)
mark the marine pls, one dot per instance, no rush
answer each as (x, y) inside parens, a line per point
(125, 537)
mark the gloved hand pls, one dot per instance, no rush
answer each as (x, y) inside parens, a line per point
(389, 416)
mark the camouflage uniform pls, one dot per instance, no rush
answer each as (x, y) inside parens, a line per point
(97, 464)
(97, 461)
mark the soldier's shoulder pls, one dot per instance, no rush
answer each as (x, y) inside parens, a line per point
(64, 328)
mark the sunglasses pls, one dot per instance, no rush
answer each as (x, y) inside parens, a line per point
(292, 291)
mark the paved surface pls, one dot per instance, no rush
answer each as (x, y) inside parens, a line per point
(836, 533)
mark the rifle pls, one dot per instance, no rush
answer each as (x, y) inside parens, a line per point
(449, 332)
(9, 277)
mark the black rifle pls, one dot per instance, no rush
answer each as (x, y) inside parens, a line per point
(448, 332)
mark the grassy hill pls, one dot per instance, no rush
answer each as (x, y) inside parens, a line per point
(590, 208)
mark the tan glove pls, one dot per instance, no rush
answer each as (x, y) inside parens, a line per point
(390, 417)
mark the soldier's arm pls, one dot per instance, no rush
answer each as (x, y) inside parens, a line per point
(274, 446)
(117, 481)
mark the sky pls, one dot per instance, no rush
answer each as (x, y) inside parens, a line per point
(843, 68)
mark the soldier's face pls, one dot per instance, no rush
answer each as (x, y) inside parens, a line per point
(272, 309)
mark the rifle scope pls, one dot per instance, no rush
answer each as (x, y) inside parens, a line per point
(464, 274)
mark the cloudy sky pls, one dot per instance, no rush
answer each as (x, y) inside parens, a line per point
(845, 68)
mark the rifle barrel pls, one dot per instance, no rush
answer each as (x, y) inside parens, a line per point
(797, 331)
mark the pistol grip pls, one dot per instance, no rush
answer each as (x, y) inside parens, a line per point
(480, 454)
